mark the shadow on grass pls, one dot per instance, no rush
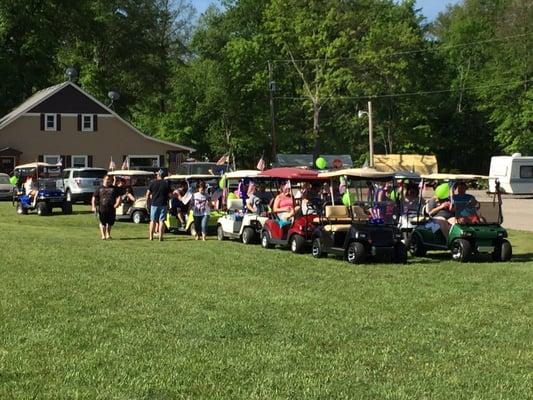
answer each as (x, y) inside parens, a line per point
(484, 258)
(80, 212)
(525, 257)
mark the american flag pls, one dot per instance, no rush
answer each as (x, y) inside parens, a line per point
(261, 164)
(125, 164)
(112, 164)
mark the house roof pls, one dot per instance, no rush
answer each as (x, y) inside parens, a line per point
(44, 94)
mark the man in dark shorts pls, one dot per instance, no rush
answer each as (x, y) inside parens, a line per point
(106, 199)
(157, 202)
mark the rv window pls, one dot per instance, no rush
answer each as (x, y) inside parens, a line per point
(526, 171)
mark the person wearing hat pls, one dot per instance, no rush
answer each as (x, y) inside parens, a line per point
(157, 202)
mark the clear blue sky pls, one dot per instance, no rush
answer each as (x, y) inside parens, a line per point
(430, 8)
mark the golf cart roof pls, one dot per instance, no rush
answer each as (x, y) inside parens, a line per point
(243, 173)
(130, 172)
(197, 177)
(365, 173)
(454, 177)
(289, 173)
(37, 165)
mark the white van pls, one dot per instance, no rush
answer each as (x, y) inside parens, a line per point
(515, 174)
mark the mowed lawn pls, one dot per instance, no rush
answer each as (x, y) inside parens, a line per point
(133, 319)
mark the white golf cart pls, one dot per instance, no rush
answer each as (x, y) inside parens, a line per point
(239, 222)
(138, 181)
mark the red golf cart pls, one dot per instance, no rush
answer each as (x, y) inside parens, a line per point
(297, 232)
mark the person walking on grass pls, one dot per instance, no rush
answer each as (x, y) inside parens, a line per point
(201, 210)
(106, 200)
(157, 202)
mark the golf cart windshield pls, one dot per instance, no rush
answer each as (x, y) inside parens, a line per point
(475, 213)
(4, 180)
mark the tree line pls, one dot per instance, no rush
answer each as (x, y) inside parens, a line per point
(459, 87)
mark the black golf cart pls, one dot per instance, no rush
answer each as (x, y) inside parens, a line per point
(364, 227)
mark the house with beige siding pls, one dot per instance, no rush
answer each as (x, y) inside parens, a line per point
(64, 124)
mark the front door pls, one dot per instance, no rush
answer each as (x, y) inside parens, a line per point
(7, 165)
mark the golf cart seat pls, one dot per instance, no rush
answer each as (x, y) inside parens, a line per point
(337, 214)
(359, 214)
(234, 204)
(337, 227)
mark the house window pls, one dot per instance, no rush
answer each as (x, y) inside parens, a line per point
(140, 161)
(50, 122)
(87, 123)
(50, 159)
(79, 161)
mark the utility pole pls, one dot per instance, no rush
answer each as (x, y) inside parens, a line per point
(370, 133)
(271, 90)
(370, 136)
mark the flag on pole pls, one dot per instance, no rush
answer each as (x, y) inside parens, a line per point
(60, 162)
(223, 160)
(125, 164)
(261, 164)
(112, 165)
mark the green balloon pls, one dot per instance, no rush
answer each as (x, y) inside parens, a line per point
(348, 199)
(393, 195)
(14, 180)
(321, 163)
(442, 191)
(222, 182)
(232, 196)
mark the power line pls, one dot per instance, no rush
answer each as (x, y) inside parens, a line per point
(437, 48)
(420, 93)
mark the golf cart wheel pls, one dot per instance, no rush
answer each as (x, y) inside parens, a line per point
(137, 217)
(400, 253)
(416, 246)
(356, 253)
(67, 208)
(503, 251)
(461, 250)
(265, 240)
(220, 233)
(21, 210)
(317, 249)
(248, 235)
(42, 209)
(297, 243)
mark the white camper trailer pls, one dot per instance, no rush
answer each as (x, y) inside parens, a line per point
(515, 174)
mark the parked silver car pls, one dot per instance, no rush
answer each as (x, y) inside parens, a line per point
(6, 188)
(79, 184)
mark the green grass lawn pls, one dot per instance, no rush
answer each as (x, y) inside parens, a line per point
(133, 319)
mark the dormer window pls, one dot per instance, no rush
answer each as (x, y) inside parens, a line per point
(87, 123)
(50, 122)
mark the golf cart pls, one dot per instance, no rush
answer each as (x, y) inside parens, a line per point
(46, 196)
(188, 184)
(297, 232)
(476, 228)
(364, 226)
(239, 222)
(138, 181)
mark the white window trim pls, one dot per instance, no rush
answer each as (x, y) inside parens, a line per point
(79, 155)
(83, 128)
(46, 128)
(130, 156)
(51, 155)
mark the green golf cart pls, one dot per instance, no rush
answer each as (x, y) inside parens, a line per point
(475, 225)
